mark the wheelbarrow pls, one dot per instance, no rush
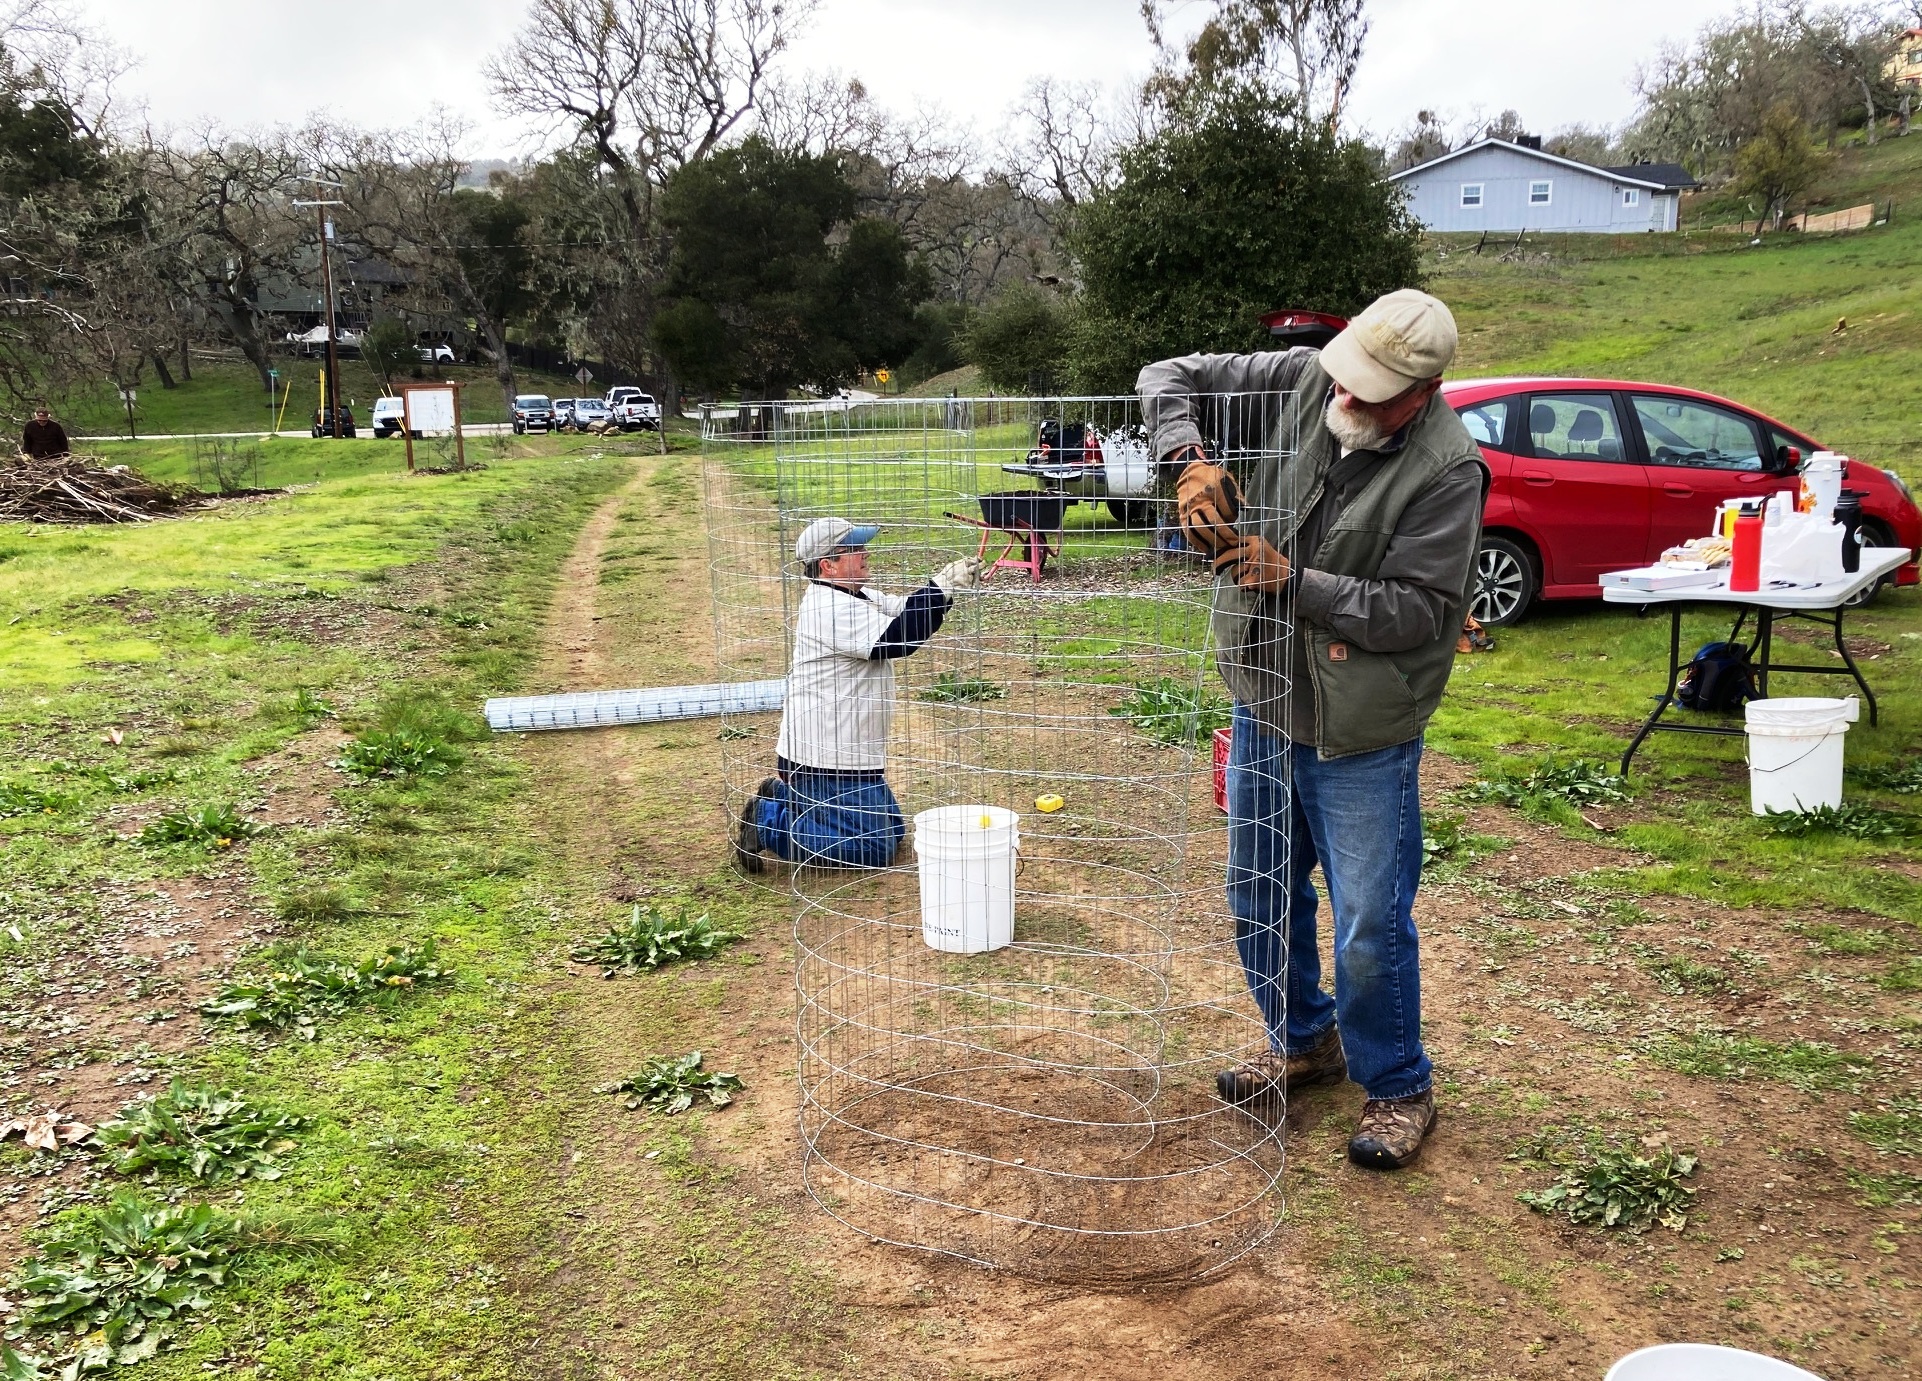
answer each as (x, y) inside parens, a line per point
(1029, 520)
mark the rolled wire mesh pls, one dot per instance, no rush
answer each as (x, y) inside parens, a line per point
(1049, 1106)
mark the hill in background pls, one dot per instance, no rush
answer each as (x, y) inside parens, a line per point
(1709, 310)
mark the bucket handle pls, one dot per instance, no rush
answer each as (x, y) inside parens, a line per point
(1783, 767)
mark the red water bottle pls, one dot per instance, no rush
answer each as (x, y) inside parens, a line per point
(1745, 555)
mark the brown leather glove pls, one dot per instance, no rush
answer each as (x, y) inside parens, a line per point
(1253, 564)
(1207, 502)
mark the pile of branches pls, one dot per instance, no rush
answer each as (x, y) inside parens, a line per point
(83, 489)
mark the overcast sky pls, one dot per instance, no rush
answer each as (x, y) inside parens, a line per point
(389, 62)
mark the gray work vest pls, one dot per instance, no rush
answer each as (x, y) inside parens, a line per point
(1363, 700)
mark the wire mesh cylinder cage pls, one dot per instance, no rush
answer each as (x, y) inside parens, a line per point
(1042, 1100)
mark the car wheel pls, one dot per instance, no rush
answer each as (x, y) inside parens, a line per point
(1132, 513)
(1505, 583)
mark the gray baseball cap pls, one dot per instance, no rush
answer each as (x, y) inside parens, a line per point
(825, 536)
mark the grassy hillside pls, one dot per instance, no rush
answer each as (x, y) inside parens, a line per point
(275, 462)
(1754, 323)
(226, 396)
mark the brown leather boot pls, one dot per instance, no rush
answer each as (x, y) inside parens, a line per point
(747, 837)
(1270, 1071)
(1392, 1131)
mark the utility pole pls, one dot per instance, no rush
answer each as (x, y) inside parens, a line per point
(326, 228)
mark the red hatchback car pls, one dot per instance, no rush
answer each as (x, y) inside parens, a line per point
(1594, 475)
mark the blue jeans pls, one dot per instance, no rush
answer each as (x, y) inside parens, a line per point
(1360, 818)
(830, 820)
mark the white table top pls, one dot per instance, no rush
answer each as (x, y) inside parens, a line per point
(1876, 562)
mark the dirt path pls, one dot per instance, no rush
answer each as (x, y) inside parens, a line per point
(691, 1250)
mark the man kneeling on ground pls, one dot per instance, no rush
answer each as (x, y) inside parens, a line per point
(830, 806)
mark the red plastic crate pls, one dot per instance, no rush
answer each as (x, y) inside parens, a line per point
(1224, 741)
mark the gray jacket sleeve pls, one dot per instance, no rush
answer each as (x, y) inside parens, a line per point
(1425, 570)
(1181, 402)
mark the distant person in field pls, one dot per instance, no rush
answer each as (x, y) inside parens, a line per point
(829, 806)
(43, 438)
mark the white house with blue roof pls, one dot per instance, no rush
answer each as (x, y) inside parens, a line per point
(1498, 185)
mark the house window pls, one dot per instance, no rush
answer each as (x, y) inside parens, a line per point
(1631, 196)
(1471, 194)
(1538, 193)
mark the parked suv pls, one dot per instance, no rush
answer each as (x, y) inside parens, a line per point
(633, 409)
(533, 412)
(324, 422)
(588, 411)
(1594, 475)
(438, 353)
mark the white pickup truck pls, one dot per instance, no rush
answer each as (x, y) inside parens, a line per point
(633, 409)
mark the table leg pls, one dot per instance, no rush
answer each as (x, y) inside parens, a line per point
(1668, 694)
(1765, 644)
(1848, 661)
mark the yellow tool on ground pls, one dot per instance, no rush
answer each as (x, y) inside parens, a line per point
(1048, 804)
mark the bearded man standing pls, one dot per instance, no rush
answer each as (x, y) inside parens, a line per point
(1344, 558)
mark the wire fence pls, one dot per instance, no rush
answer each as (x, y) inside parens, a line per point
(1043, 1101)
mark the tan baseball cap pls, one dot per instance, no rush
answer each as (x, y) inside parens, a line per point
(1398, 340)
(823, 537)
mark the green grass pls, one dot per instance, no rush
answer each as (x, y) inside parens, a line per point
(1711, 312)
(1807, 1065)
(1573, 682)
(901, 475)
(290, 460)
(226, 396)
(199, 637)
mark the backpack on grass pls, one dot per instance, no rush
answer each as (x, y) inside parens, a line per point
(1719, 679)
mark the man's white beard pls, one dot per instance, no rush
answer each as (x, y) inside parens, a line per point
(1356, 431)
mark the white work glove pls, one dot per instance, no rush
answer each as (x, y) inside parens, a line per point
(964, 574)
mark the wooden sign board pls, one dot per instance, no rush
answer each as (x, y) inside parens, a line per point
(431, 408)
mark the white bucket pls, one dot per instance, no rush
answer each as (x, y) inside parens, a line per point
(1703, 1362)
(967, 858)
(1795, 751)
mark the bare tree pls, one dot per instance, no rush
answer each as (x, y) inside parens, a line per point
(644, 87)
(63, 198)
(224, 218)
(1702, 102)
(463, 248)
(648, 85)
(1851, 50)
(1061, 144)
(1423, 138)
(1308, 48)
(824, 112)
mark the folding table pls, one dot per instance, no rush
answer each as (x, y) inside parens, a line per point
(1824, 604)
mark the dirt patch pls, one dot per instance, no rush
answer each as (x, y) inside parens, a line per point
(915, 1314)
(297, 783)
(1549, 999)
(1863, 649)
(104, 1001)
(102, 1009)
